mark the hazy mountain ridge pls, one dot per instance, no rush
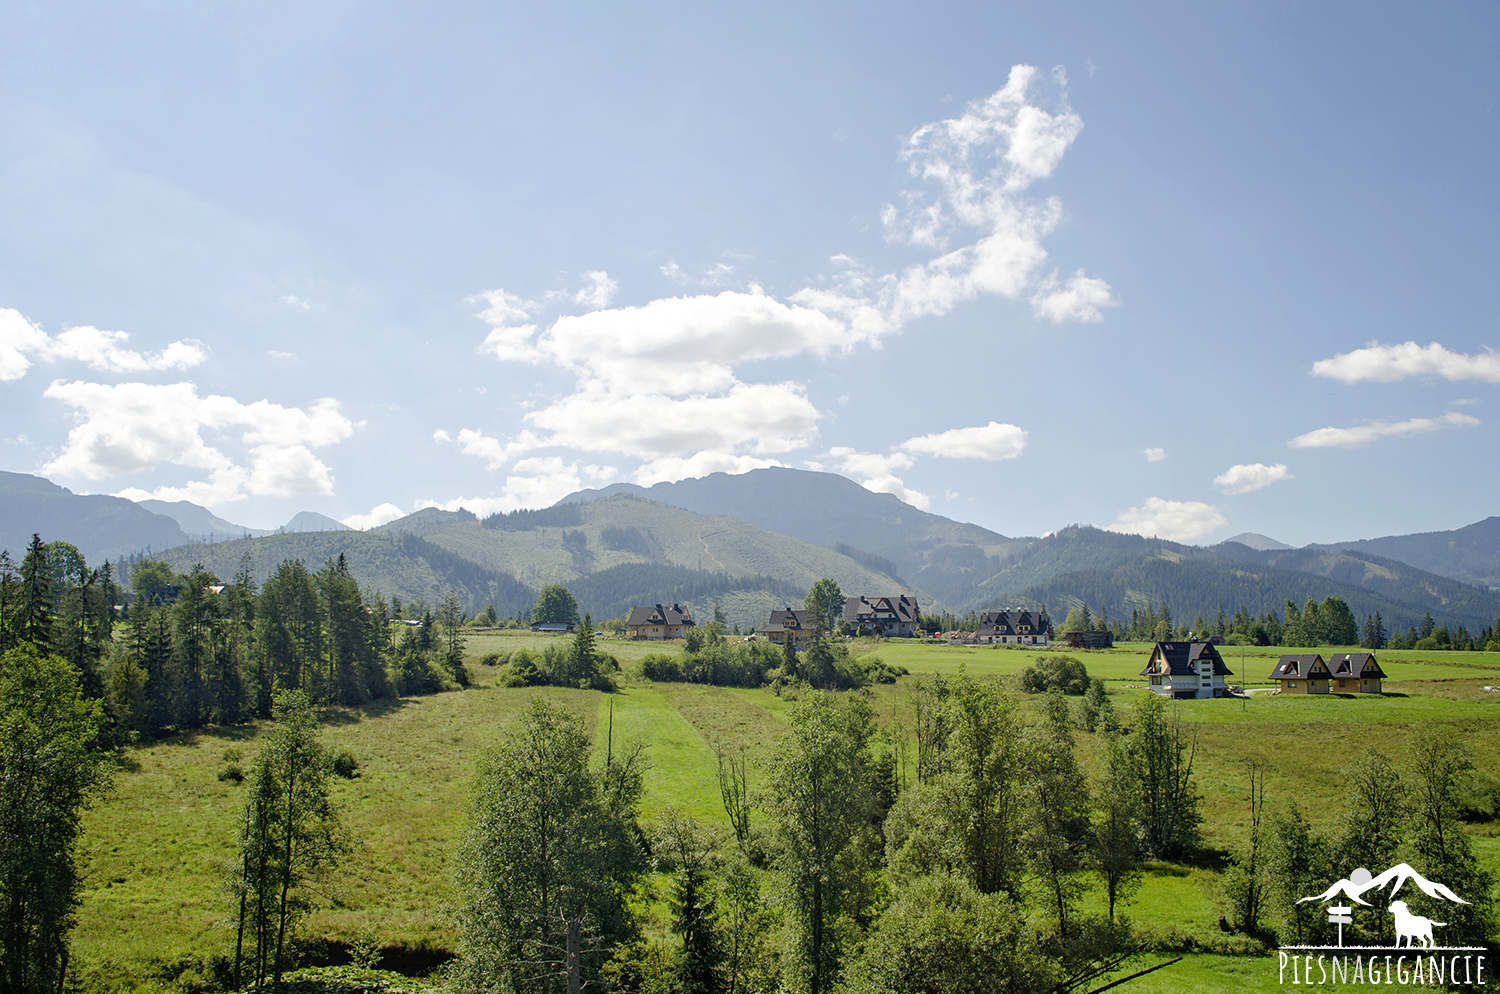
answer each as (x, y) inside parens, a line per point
(199, 523)
(1470, 554)
(827, 509)
(100, 526)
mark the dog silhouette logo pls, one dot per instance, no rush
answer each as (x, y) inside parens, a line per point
(1412, 927)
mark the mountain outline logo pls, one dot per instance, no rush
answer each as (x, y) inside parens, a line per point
(1415, 958)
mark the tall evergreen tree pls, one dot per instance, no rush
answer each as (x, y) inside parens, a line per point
(37, 594)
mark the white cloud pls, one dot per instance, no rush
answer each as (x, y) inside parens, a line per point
(1353, 438)
(890, 484)
(1180, 521)
(103, 351)
(510, 334)
(134, 427)
(718, 274)
(1079, 298)
(874, 472)
(599, 292)
(868, 463)
(378, 515)
(1246, 477)
(991, 441)
(1155, 454)
(1388, 363)
(662, 381)
(295, 302)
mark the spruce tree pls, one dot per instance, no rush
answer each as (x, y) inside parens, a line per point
(35, 620)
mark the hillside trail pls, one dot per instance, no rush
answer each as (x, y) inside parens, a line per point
(710, 551)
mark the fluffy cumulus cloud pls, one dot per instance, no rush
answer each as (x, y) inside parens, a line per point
(128, 428)
(378, 515)
(876, 472)
(22, 342)
(1178, 520)
(1389, 363)
(1246, 477)
(992, 441)
(1361, 435)
(1155, 454)
(663, 382)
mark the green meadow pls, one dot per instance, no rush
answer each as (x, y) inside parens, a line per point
(154, 910)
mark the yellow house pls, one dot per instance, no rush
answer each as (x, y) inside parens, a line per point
(1356, 673)
(653, 622)
(1302, 674)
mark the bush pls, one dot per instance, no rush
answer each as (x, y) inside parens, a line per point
(492, 659)
(345, 765)
(661, 668)
(1492, 646)
(232, 773)
(1055, 672)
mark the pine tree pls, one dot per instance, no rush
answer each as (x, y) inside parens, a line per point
(35, 620)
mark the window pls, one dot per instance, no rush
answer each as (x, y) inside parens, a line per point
(1341, 683)
(1156, 681)
(1291, 683)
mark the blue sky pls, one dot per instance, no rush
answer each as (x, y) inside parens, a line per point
(1149, 267)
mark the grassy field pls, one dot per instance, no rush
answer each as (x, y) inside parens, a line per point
(154, 908)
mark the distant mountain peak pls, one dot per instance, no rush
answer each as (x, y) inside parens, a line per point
(1258, 542)
(312, 521)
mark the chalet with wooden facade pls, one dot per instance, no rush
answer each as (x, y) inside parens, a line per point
(1356, 673)
(788, 624)
(654, 622)
(1186, 671)
(889, 617)
(1017, 627)
(1302, 674)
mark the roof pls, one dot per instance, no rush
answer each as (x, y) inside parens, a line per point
(1293, 666)
(789, 618)
(1180, 658)
(656, 614)
(901, 609)
(1355, 665)
(1010, 622)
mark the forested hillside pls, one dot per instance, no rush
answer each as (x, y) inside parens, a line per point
(398, 565)
(1470, 554)
(942, 557)
(561, 545)
(1119, 573)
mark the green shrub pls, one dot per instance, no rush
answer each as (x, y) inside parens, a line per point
(492, 659)
(345, 765)
(1055, 672)
(232, 773)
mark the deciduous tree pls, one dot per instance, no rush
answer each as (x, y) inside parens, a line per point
(49, 773)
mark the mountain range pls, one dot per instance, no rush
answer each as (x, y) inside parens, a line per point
(755, 541)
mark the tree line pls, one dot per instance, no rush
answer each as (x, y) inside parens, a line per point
(1329, 622)
(171, 652)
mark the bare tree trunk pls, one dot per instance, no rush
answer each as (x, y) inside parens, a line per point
(573, 965)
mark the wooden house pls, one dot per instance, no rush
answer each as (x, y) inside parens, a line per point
(891, 617)
(788, 624)
(654, 622)
(1355, 673)
(1018, 627)
(1302, 674)
(1186, 671)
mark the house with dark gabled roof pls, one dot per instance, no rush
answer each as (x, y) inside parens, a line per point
(1186, 671)
(788, 624)
(890, 617)
(1304, 673)
(1016, 626)
(653, 622)
(1355, 673)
